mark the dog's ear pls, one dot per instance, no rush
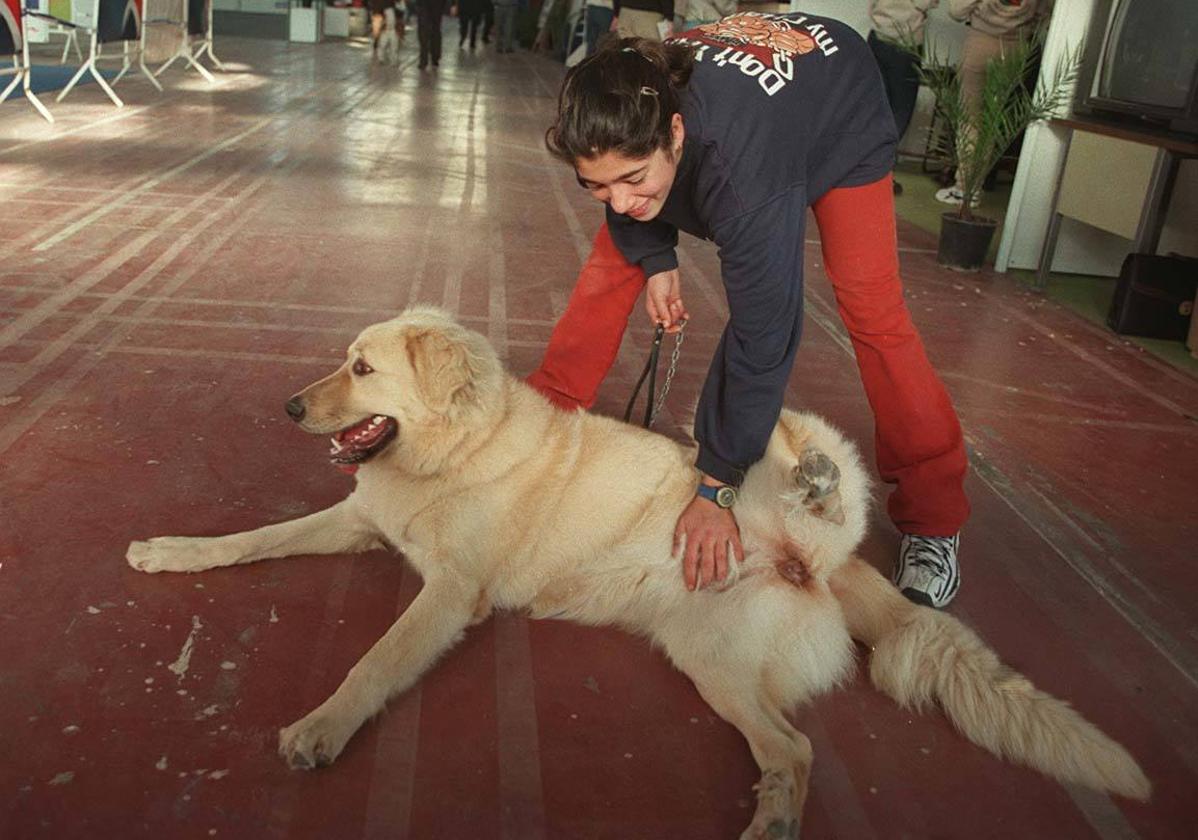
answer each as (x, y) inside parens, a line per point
(441, 365)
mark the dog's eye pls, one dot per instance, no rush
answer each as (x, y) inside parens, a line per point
(361, 368)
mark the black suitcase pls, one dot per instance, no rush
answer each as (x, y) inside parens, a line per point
(1154, 297)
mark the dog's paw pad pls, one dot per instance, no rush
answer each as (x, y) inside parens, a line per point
(817, 473)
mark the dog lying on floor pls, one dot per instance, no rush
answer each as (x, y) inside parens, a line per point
(501, 501)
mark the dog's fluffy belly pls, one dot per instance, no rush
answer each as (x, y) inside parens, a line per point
(794, 638)
(761, 622)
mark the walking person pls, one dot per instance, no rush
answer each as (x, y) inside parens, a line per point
(470, 18)
(898, 28)
(428, 30)
(505, 25)
(993, 25)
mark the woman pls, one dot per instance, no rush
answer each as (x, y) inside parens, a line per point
(730, 133)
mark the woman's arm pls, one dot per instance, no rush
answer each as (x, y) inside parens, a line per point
(761, 258)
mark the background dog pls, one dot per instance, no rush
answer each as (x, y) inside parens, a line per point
(501, 501)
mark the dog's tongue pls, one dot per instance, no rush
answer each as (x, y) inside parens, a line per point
(348, 469)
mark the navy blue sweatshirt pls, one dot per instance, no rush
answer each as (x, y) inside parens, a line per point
(779, 110)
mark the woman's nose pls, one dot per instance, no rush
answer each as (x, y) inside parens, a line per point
(621, 199)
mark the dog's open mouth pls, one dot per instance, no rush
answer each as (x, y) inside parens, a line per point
(360, 442)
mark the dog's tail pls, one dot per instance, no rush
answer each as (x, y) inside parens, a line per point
(921, 656)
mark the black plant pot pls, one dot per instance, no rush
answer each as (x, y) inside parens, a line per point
(964, 242)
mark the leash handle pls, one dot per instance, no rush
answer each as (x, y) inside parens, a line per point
(650, 371)
(652, 405)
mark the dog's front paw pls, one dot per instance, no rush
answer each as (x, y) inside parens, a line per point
(173, 554)
(314, 741)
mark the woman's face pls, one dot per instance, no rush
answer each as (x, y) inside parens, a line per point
(635, 187)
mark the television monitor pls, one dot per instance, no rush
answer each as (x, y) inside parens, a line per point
(1141, 64)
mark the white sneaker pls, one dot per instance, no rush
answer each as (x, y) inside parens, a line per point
(953, 196)
(927, 572)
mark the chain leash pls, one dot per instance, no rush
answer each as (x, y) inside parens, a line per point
(670, 371)
(654, 406)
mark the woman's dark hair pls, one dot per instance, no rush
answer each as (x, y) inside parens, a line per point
(620, 99)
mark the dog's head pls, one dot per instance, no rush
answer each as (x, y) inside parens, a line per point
(418, 371)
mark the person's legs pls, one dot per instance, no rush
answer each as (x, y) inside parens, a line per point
(587, 336)
(976, 52)
(376, 30)
(437, 12)
(899, 76)
(598, 22)
(507, 26)
(500, 21)
(424, 27)
(898, 68)
(918, 437)
(388, 40)
(475, 19)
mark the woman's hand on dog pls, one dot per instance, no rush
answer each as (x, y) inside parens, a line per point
(711, 536)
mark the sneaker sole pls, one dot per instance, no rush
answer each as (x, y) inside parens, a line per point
(917, 597)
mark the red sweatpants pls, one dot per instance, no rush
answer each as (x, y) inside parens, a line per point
(918, 438)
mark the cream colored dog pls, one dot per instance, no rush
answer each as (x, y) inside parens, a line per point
(501, 501)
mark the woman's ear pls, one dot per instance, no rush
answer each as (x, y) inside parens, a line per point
(677, 134)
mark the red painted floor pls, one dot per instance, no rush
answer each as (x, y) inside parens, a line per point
(170, 273)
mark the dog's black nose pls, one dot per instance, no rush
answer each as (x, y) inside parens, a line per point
(295, 408)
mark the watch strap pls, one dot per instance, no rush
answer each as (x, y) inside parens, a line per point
(724, 495)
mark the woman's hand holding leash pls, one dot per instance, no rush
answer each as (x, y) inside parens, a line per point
(663, 300)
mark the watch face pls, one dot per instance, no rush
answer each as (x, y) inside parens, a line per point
(725, 496)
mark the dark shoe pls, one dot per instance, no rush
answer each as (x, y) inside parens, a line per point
(898, 188)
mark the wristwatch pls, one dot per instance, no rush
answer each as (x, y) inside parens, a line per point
(724, 495)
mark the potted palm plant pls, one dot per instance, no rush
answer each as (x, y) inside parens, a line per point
(977, 136)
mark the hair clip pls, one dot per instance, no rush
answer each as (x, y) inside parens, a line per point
(648, 91)
(637, 52)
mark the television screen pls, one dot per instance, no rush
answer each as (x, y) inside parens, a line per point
(1151, 55)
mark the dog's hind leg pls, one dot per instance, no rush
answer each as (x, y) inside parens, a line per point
(337, 530)
(429, 627)
(782, 752)
(818, 476)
